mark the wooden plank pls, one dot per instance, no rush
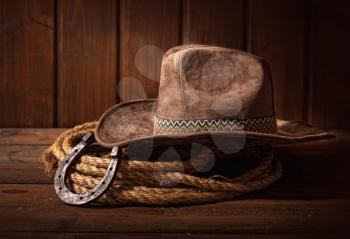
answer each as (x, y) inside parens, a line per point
(29, 136)
(320, 162)
(276, 31)
(303, 177)
(330, 85)
(250, 216)
(108, 235)
(22, 164)
(86, 59)
(148, 29)
(26, 63)
(218, 23)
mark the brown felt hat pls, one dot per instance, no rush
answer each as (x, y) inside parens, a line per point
(205, 92)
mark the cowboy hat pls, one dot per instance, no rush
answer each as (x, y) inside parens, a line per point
(204, 92)
(210, 95)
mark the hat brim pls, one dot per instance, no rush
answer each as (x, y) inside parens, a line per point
(133, 121)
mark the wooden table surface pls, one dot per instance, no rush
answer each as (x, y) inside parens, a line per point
(312, 200)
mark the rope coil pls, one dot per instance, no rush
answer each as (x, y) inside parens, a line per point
(155, 183)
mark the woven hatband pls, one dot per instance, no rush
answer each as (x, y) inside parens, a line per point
(262, 124)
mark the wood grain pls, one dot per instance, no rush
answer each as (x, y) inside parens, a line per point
(86, 59)
(218, 23)
(276, 31)
(22, 164)
(317, 163)
(29, 136)
(308, 202)
(107, 235)
(330, 76)
(26, 63)
(148, 29)
(19, 202)
(65, 62)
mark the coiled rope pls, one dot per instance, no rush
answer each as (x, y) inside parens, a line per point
(155, 183)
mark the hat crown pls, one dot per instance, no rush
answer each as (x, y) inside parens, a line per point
(206, 93)
(209, 83)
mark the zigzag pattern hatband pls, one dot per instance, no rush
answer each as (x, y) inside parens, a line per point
(262, 124)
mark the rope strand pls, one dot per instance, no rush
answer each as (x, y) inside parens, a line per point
(155, 183)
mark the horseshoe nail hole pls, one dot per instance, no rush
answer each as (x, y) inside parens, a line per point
(103, 182)
(75, 150)
(67, 161)
(92, 193)
(81, 198)
(60, 176)
(111, 168)
(60, 188)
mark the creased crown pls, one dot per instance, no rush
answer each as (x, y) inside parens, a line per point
(205, 88)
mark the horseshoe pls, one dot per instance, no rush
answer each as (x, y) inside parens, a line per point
(91, 195)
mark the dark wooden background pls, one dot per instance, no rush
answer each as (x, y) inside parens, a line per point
(64, 62)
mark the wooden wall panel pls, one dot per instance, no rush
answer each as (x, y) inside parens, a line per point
(276, 31)
(26, 63)
(214, 22)
(148, 29)
(87, 53)
(330, 78)
(63, 62)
